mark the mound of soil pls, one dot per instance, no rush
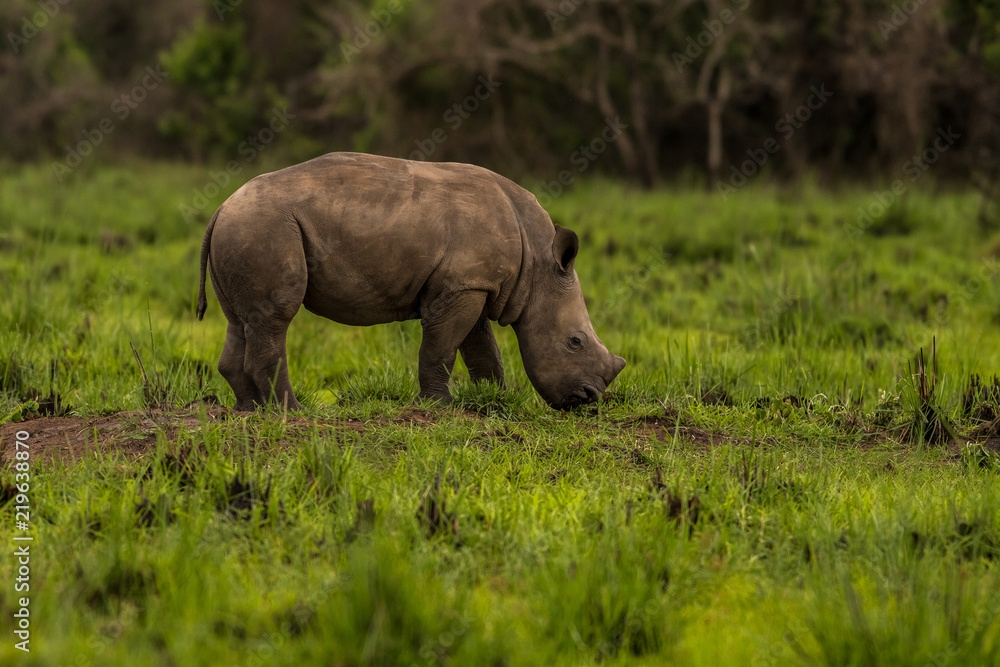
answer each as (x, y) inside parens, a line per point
(666, 429)
(72, 438)
(131, 433)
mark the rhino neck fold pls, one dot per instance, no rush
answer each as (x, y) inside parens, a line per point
(512, 304)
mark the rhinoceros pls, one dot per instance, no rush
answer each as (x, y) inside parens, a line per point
(363, 239)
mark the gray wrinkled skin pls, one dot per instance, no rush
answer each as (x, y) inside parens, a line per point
(362, 240)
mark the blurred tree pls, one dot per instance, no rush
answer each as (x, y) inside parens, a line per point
(976, 34)
(49, 85)
(219, 97)
(656, 85)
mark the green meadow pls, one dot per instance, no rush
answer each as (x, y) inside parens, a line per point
(798, 465)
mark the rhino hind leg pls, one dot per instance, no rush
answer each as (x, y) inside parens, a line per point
(259, 309)
(266, 365)
(231, 368)
(481, 354)
(446, 323)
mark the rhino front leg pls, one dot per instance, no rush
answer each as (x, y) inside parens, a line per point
(446, 322)
(481, 354)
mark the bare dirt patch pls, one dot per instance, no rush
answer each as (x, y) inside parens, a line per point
(72, 438)
(416, 417)
(991, 445)
(132, 433)
(664, 428)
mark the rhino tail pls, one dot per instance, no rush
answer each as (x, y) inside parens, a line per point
(205, 245)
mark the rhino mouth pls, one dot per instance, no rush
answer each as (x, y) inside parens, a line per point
(583, 395)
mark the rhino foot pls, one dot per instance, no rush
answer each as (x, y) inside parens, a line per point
(441, 400)
(256, 367)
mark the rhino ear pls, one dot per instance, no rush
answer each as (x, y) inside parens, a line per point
(565, 245)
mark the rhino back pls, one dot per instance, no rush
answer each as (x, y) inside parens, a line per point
(382, 235)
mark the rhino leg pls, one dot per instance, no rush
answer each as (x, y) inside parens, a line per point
(260, 301)
(266, 363)
(446, 323)
(231, 368)
(481, 354)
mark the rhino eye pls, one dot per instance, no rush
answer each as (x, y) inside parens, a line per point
(575, 343)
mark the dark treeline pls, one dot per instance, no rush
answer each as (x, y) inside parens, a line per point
(648, 89)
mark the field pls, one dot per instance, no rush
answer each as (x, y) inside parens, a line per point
(798, 466)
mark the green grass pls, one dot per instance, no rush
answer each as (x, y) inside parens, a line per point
(815, 528)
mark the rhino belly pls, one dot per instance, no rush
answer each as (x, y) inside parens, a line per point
(362, 295)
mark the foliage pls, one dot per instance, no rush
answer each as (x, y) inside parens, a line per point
(218, 103)
(695, 85)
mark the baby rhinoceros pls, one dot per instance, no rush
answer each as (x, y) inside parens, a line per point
(362, 239)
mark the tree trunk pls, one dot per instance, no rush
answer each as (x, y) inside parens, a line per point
(716, 104)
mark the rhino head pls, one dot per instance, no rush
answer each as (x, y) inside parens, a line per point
(565, 360)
